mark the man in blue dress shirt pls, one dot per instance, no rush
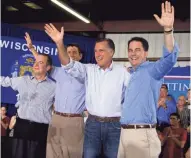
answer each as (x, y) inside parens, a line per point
(139, 138)
(166, 105)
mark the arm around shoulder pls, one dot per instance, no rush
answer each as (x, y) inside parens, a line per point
(10, 82)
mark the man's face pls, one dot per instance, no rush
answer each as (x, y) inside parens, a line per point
(163, 93)
(74, 53)
(40, 66)
(103, 54)
(136, 53)
(181, 101)
(174, 120)
(3, 111)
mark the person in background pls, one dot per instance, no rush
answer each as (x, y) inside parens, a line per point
(173, 138)
(183, 111)
(166, 106)
(188, 99)
(4, 121)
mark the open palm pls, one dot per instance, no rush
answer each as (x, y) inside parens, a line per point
(54, 34)
(28, 40)
(167, 16)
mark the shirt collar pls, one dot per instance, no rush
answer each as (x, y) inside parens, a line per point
(33, 77)
(140, 65)
(109, 68)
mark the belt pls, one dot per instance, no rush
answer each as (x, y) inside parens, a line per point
(137, 126)
(104, 119)
(67, 114)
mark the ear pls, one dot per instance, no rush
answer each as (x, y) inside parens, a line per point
(112, 53)
(48, 68)
(146, 54)
(81, 56)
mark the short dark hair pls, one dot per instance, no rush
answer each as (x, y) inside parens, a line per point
(49, 59)
(175, 114)
(142, 40)
(74, 45)
(164, 86)
(109, 42)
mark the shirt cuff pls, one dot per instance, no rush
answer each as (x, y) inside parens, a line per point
(166, 52)
(69, 65)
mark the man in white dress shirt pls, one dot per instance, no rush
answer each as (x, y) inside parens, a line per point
(105, 84)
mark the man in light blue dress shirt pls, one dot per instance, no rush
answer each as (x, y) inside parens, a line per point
(105, 85)
(66, 129)
(36, 97)
(139, 138)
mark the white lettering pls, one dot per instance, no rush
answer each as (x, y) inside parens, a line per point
(56, 51)
(4, 43)
(185, 87)
(12, 44)
(17, 46)
(46, 50)
(24, 47)
(39, 49)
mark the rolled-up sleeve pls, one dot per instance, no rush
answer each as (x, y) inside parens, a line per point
(161, 67)
(10, 82)
(76, 69)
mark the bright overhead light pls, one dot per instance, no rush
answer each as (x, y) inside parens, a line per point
(70, 10)
(32, 5)
(11, 8)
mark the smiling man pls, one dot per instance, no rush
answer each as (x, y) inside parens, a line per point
(36, 97)
(138, 121)
(105, 84)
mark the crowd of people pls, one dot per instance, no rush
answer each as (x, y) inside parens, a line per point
(123, 120)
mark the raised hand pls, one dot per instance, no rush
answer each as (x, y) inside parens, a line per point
(28, 40)
(54, 34)
(167, 16)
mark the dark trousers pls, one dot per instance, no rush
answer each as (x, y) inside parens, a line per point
(101, 137)
(29, 140)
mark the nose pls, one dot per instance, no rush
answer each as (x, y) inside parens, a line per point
(36, 64)
(97, 53)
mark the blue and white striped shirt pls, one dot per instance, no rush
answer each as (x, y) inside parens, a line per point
(35, 97)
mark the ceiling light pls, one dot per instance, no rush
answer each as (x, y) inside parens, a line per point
(71, 11)
(11, 8)
(32, 5)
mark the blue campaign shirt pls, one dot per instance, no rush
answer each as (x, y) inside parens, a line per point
(163, 115)
(141, 96)
(70, 92)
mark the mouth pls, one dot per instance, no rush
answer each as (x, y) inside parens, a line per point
(99, 58)
(36, 68)
(134, 59)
